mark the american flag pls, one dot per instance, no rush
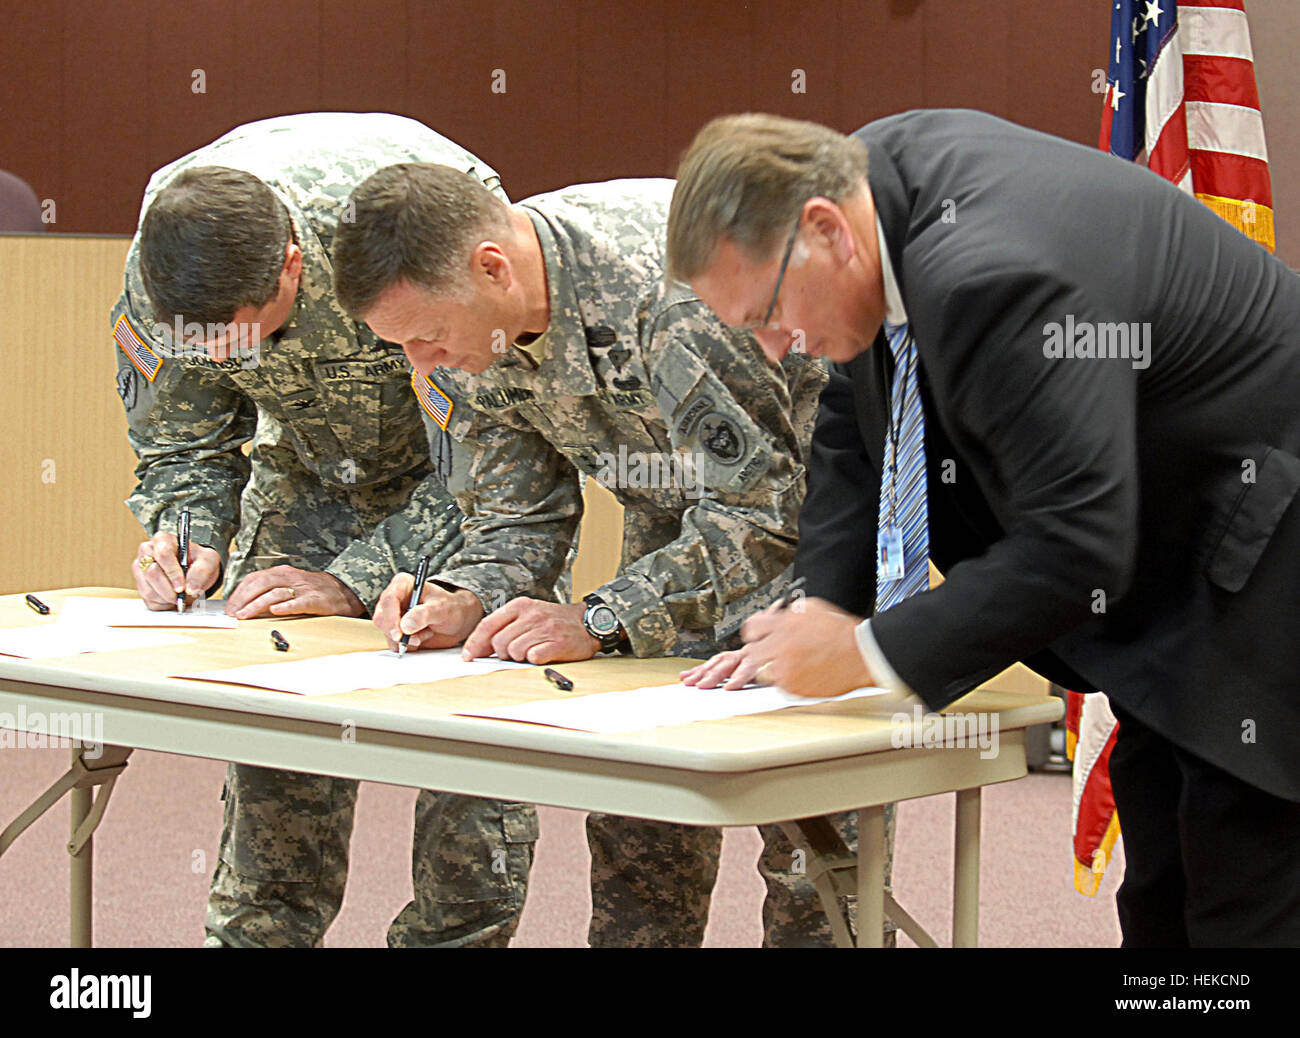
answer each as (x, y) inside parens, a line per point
(437, 404)
(1090, 736)
(1181, 99)
(137, 352)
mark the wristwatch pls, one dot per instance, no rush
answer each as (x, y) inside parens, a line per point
(603, 625)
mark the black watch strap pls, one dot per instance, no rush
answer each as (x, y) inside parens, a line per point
(611, 641)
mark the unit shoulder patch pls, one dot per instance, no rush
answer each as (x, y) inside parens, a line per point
(721, 438)
(128, 387)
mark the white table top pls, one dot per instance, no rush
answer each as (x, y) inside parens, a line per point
(795, 736)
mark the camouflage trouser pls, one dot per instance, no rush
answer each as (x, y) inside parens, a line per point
(651, 881)
(284, 846)
(284, 863)
(787, 920)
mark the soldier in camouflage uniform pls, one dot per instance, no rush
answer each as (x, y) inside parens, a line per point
(337, 494)
(575, 359)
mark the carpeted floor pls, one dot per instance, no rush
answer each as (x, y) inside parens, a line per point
(155, 848)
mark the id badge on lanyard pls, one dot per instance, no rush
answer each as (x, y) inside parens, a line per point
(889, 553)
(889, 536)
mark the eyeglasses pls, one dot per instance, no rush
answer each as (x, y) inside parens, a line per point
(780, 277)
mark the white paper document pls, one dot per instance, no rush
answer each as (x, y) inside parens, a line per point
(44, 641)
(132, 612)
(658, 706)
(349, 671)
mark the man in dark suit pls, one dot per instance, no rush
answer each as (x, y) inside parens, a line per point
(1107, 424)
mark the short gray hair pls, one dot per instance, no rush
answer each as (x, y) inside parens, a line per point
(416, 222)
(745, 177)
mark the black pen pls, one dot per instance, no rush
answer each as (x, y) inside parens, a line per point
(421, 571)
(184, 537)
(38, 605)
(279, 641)
(558, 680)
(788, 597)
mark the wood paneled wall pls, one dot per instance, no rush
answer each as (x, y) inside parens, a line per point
(99, 93)
(1275, 38)
(66, 463)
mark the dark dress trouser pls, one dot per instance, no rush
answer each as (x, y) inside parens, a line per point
(1210, 861)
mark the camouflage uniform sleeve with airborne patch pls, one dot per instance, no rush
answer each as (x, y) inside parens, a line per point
(746, 424)
(522, 501)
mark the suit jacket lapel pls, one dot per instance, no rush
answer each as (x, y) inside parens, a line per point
(890, 199)
(872, 372)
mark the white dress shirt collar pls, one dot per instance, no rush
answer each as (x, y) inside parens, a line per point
(894, 312)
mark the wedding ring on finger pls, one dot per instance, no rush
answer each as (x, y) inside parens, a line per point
(145, 562)
(292, 592)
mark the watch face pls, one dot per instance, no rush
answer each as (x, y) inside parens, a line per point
(603, 621)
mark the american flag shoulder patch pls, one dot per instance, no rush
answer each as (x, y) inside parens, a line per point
(437, 404)
(136, 349)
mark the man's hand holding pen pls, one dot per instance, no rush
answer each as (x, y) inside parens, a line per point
(804, 645)
(810, 651)
(440, 620)
(158, 575)
(524, 629)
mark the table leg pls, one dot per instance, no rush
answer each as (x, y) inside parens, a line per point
(966, 871)
(871, 877)
(81, 867)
